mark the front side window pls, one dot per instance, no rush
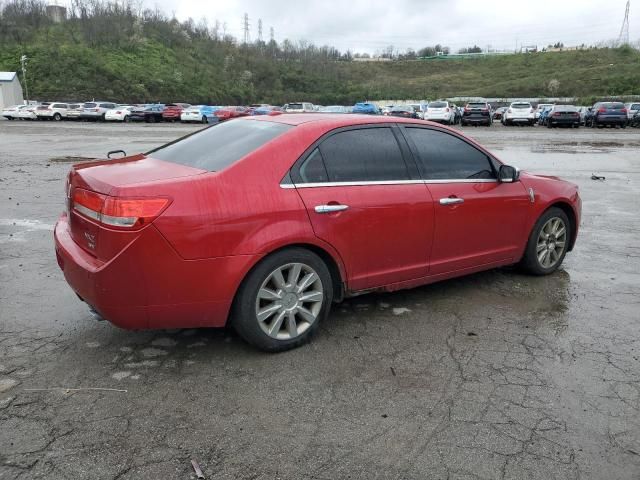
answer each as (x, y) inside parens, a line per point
(217, 147)
(363, 155)
(442, 156)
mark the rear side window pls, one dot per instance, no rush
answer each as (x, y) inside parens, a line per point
(217, 147)
(312, 170)
(364, 155)
(442, 156)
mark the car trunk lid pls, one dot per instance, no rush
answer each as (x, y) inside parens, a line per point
(105, 208)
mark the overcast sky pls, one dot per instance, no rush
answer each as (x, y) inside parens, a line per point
(371, 25)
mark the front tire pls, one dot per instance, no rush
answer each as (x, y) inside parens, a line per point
(283, 299)
(548, 243)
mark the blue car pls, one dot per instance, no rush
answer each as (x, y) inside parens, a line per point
(200, 114)
(366, 108)
(544, 115)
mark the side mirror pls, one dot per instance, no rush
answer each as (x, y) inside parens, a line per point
(508, 174)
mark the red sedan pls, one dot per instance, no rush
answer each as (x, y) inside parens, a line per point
(228, 113)
(265, 221)
(172, 111)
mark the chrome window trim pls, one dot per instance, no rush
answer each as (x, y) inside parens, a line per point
(385, 182)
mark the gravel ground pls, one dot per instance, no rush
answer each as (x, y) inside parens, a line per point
(496, 375)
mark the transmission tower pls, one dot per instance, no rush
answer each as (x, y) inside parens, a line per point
(623, 38)
(272, 34)
(245, 27)
(260, 30)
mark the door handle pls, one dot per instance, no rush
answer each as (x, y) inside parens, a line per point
(451, 201)
(330, 208)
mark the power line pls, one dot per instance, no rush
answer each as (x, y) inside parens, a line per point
(623, 38)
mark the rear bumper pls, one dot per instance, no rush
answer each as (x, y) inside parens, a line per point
(564, 121)
(148, 285)
(476, 119)
(611, 120)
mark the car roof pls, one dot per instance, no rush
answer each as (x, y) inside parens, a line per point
(334, 120)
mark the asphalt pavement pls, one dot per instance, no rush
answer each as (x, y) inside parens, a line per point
(495, 375)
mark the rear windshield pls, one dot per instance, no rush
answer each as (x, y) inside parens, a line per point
(402, 109)
(217, 147)
(437, 105)
(295, 106)
(520, 105)
(477, 105)
(89, 105)
(613, 106)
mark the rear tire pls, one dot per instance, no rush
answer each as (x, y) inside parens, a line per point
(204, 119)
(548, 243)
(57, 117)
(282, 300)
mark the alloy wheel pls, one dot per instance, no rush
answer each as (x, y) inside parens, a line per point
(551, 242)
(289, 301)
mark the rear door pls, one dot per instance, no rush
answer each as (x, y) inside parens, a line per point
(365, 200)
(478, 221)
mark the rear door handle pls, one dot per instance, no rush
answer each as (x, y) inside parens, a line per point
(451, 201)
(330, 208)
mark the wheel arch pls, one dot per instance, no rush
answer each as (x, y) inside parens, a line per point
(571, 214)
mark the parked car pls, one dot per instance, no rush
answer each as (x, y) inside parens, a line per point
(419, 108)
(498, 112)
(635, 121)
(519, 113)
(566, 115)
(583, 111)
(172, 111)
(52, 111)
(189, 240)
(149, 113)
(440, 111)
(96, 110)
(544, 115)
(13, 112)
(300, 107)
(632, 109)
(228, 113)
(608, 113)
(267, 110)
(200, 114)
(366, 108)
(122, 113)
(28, 113)
(335, 109)
(540, 108)
(75, 111)
(405, 111)
(477, 113)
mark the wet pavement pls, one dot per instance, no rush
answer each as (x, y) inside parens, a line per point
(495, 375)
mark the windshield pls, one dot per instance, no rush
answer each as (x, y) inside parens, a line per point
(402, 109)
(217, 147)
(520, 105)
(437, 104)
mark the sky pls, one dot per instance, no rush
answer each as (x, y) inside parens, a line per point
(372, 25)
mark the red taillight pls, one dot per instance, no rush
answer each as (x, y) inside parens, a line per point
(509, 111)
(624, 110)
(118, 112)
(557, 114)
(118, 212)
(602, 110)
(96, 109)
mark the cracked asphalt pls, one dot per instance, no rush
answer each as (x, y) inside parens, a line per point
(496, 375)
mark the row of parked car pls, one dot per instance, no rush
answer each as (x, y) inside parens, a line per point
(442, 111)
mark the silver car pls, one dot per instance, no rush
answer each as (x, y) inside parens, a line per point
(632, 109)
(96, 110)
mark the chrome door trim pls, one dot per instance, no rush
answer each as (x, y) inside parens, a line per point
(385, 182)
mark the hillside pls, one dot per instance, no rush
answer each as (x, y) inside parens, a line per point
(139, 57)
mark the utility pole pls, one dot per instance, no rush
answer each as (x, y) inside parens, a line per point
(245, 27)
(260, 30)
(272, 34)
(23, 62)
(623, 38)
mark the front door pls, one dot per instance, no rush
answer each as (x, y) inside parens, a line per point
(478, 221)
(362, 200)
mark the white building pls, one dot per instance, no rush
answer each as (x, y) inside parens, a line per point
(10, 90)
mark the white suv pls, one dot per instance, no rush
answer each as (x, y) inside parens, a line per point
(440, 111)
(632, 109)
(303, 107)
(519, 112)
(52, 111)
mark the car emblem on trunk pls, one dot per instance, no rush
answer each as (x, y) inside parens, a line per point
(91, 240)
